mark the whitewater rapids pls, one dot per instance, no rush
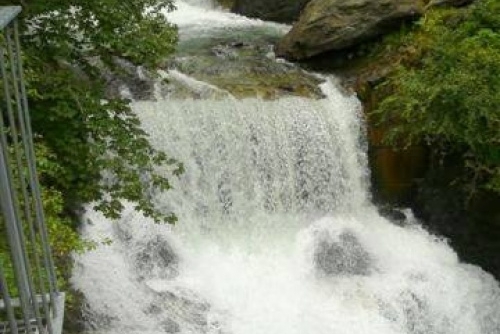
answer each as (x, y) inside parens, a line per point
(276, 232)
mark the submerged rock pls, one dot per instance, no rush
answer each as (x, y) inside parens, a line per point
(187, 312)
(344, 256)
(328, 25)
(411, 309)
(170, 326)
(393, 214)
(157, 258)
(94, 320)
(152, 253)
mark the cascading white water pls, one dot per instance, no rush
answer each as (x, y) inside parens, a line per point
(276, 233)
(201, 17)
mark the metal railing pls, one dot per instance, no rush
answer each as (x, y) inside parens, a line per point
(30, 300)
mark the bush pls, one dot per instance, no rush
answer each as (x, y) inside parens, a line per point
(103, 154)
(447, 93)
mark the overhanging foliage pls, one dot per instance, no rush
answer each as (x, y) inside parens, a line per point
(448, 92)
(102, 153)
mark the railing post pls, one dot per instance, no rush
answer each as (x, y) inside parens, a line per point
(19, 187)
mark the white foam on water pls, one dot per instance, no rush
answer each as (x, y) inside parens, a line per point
(266, 183)
(276, 231)
(196, 18)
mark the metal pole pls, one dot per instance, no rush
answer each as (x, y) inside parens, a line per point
(6, 300)
(10, 206)
(26, 197)
(19, 185)
(40, 217)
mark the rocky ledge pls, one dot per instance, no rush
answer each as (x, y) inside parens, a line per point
(341, 24)
(337, 25)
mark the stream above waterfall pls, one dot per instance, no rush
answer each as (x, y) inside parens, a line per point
(276, 233)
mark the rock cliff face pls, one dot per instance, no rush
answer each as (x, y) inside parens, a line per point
(327, 25)
(285, 11)
(471, 222)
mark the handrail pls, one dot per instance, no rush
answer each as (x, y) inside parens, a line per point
(8, 14)
(37, 298)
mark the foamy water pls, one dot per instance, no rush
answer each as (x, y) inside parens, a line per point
(276, 230)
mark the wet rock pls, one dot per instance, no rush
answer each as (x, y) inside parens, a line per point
(285, 11)
(416, 313)
(149, 248)
(74, 321)
(224, 52)
(393, 215)
(344, 256)
(153, 309)
(170, 326)
(157, 257)
(237, 44)
(187, 312)
(454, 3)
(126, 78)
(97, 320)
(244, 68)
(470, 223)
(412, 311)
(328, 25)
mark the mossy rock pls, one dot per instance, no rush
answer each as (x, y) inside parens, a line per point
(270, 86)
(242, 63)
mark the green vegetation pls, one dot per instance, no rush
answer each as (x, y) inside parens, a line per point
(103, 154)
(64, 239)
(90, 146)
(446, 90)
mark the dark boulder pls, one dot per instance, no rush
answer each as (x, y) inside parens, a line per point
(344, 256)
(285, 11)
(470, 221)
(329, 25)
(157, 258)
(454, 3)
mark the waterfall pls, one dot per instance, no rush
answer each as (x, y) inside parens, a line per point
(292, 155)
(276, 232)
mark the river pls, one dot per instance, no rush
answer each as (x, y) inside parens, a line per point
(276, 233)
